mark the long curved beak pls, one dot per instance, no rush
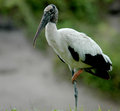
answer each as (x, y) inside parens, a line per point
(45, 19)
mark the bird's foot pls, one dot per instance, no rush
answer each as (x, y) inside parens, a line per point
(74, 77)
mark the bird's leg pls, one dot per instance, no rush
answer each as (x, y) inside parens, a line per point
(75, 92)
(74, 77)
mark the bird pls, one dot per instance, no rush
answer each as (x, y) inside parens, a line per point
(76, 49)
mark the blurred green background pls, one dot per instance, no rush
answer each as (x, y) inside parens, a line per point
(89, 16)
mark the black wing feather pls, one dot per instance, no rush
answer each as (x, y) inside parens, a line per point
(74, 54)
(99, 65)
(97, 61)
(60, 59)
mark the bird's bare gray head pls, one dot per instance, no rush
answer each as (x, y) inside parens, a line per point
(50, 15)
(53, 13)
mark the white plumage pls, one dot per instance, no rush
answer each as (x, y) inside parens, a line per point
(60, 39)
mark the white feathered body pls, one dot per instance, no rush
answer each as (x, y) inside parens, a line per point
(60, 39)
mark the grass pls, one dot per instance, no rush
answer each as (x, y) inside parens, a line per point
(99, 109)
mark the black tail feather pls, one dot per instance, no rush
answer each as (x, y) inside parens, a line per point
(99, 73)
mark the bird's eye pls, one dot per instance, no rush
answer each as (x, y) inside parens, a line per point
(51, 10)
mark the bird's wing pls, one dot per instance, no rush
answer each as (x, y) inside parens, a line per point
(85, 49)
(81, 43)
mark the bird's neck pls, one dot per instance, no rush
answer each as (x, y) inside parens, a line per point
(52, 35)
(51, 32)
(51, 27)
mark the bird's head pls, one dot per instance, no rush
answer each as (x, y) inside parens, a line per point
(50, 15)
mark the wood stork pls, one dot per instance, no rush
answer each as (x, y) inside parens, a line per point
(76, 49)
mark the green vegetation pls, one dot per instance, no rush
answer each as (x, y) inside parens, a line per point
(28, 12)
(99, 109)
(82, 15)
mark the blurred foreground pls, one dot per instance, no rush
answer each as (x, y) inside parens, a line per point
(27, 80)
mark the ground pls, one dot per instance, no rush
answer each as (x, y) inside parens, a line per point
(27, 80)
